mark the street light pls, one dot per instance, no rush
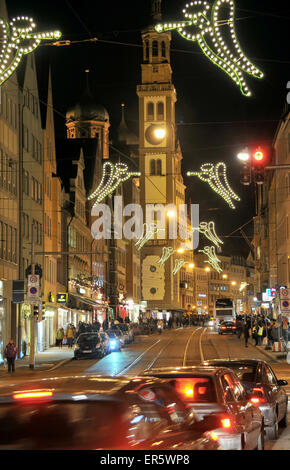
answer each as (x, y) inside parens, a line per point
(191, 265)
(234, 283)
(225, 276)
(244, 155)
(180, 250)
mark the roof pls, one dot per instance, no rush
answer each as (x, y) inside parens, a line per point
(86, 109)
(174, 371)
(233, 361)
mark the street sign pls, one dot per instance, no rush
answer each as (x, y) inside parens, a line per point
(61, 297)
(33, 279)
(33, 293)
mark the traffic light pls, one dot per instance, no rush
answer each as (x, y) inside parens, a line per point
(246, 177)
(259, 162)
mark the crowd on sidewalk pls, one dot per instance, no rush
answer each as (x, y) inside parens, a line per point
(262, 330)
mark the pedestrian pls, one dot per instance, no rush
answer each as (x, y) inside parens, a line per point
(70, 336)
(246, 332)
(10, 353)
(260, 333)
(59, 337)
(255, 334)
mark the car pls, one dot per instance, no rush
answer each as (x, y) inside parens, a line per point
(89, 345)
(217, 395)
(227, 327)
(119, 334)
(106, 341)
(115, 342)
(98, 413)
(264, 389)
(127, 332)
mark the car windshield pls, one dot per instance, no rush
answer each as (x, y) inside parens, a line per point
(60, 425)
(88, 339)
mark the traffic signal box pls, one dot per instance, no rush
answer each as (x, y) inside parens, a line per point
(259, 162)
(254, 168)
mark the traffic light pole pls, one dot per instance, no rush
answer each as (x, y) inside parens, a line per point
(32, 323)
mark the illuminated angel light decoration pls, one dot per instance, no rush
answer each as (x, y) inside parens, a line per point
(207, 28)
(243, 285)
(208, 230)
(178, 265)
(112, 176)
(167, 251)
(17, 40)
(149, 230)
(213, 260)
(216, 177)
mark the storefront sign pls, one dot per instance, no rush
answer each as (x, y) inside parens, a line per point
(61, 297)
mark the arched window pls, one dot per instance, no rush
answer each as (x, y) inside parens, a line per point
(155, 48)
(150, 110)
(146, 50)
(159, 167)
(163, 49)
(152, 167)
(160, 110)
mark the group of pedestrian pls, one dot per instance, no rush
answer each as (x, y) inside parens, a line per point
(259, 328)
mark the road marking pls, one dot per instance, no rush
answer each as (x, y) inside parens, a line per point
(200, 348)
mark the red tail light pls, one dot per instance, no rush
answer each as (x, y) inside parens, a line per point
(258, 396)
(226, 423)
(223, 327)
(33, 395)
(234, 327)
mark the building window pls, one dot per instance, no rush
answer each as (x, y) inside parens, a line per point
(154, 48)
(163, 49)
(152, 167)
(160, 111)
(159, 167)
(146, 55)
(150, 111)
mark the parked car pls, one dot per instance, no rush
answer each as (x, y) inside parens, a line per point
(89, 345)
(264, 389)
(106, 341)
(217, 395)
(98, 413)
(115, 342)
(227, 327)
(119, 334)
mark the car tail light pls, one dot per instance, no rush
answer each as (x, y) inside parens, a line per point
(223, 327)
(226, 423)
(33, 395)
(187, 391)
(234, 327)
(257, 396)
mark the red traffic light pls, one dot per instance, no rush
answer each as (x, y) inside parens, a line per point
(258, 155)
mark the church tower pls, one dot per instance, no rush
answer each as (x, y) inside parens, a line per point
(159, 161)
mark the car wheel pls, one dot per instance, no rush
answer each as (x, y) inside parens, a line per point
(272, 431)
(261, 439)
(284, 421)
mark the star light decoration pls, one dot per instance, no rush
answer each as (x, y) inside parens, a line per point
(213, 260)
(216, 177)
(208, 230)
(18, 39)
(149, 230)
(204, 27)
(167, 251)
(112, 176)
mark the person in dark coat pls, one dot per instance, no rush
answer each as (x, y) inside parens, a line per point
(10, 353)
(246, 332)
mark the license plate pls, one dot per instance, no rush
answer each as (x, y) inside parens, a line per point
(88, 351)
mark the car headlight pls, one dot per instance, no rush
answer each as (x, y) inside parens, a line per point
(113, 342)
(77, 346)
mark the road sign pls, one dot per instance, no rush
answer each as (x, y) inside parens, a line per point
(33, 293)
(33, 279)
(285, 294)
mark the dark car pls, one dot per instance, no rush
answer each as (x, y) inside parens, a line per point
(115, 341)
(127, 332)
(264, 390)
(89, 345)
(97, 413)
(227, 327)
(216, 394)
(106, 341)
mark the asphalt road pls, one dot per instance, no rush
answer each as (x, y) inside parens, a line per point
(188, 346)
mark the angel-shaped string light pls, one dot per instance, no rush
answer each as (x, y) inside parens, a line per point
(112, 176)
(209, 28)
(178, 265)
(149, 230)
(167, 251)
(213, 260)
(208, 230)
(216, 177)
(17, 40)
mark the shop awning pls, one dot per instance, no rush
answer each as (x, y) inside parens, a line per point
(88, 301)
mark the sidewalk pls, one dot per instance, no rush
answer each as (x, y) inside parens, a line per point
(49, 359)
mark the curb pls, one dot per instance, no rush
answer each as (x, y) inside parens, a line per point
(61, 363)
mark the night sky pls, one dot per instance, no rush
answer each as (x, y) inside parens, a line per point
(214, 120)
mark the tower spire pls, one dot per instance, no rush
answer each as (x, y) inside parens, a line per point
(156, 9)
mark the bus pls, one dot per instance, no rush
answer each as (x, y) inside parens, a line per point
(224, 310)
